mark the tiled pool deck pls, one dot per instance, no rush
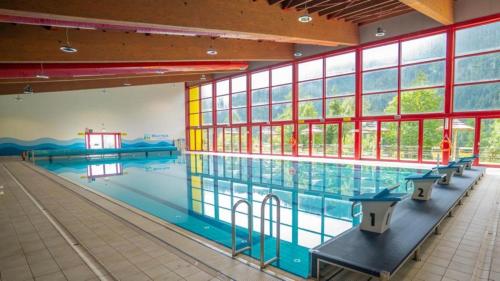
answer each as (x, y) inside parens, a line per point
(117, 243)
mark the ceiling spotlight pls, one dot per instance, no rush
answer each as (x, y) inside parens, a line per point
(380, 32)
(42, 75)
(203, 77)
(212, 52)
(298, 54)
(305, 18)
(67, 46)
(18, 98)
(160, 72)
(28, 90)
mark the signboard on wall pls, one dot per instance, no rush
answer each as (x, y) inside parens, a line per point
(155, 137)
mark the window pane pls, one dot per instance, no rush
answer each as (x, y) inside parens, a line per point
(220, 139)
(260, 114)
(260, 96)
(348, 139)
(340, 107)
(380, 81)
(206, 118)
(477, 97)
(389, 140)
(311, 109)
(256, 139)
(462, 138)
(222, 102)
(369, 139)
(341, 64)
(239, 115)
(433, 134)
(380, 104)
(332, 140)
(260, 80)
(303, 145)
(408, 149)
(206, 104)
(282, 111)
(276, 139)
(239, 100)
(478, 39)
(489, 151)
(422, 75)
(310, 70)
(282, 75)
(382, 56)
(281, 93)
(239, 84)
(223, 117)
(206, 91)
(422, 49)
(243, 137)
(287, 139)
(266, 140)
(317, 147)
(422, 101)
(341, 86)
(222, 87)
(477, 68)
(311, 89)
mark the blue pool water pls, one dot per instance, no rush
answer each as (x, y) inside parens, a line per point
(196, 192)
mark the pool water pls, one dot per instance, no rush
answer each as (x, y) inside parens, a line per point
(196, 193)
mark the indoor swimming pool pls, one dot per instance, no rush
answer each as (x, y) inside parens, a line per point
(196, 192)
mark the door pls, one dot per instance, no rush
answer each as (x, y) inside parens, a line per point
(276, 136)
(317, 139)
(462, 137)
(369, 140)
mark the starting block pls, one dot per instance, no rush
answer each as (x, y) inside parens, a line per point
(377, 209)
(448, 171)
(466, 162)
(422, 184)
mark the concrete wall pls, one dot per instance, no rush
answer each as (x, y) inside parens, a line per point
(57, 118)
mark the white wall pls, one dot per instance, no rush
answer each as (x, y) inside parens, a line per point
(136, 110)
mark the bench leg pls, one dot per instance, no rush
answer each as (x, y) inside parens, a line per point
(460, 202)
(450, 214)
(384, 276)
(467, 193)
(437, 230)
(416, 255)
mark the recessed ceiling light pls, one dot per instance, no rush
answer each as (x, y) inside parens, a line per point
(19, 98)
(68, 49)
(298, 54)
(160, 72)
(380, 32)
(203, 77)
(127, 84)
(212, 52)
(305, 18)
(42, 76)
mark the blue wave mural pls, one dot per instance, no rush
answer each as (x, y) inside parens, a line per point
(13, 146)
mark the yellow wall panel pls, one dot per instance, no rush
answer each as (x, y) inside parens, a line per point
(194, 93)
(194, 120)
(192, 140)
(197, 207)
(198, 140)
(196, 182)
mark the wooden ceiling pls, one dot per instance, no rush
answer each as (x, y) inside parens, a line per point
(355, 11)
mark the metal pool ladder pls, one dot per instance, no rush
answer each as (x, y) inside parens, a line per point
(263, 263)
(233, 228)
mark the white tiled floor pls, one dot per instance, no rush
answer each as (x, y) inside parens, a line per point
(467, 248)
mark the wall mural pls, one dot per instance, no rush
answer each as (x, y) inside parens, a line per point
(12, 146)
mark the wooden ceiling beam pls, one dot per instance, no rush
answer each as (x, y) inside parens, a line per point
(366, 7)
(367, 20)
(439, 10)
(320, 5)
(373, 10)
(16, 87)
(241, 19)
(23, 43)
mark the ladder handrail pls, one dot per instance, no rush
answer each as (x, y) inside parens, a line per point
(264, 263)
(233, 227)
(354, 204)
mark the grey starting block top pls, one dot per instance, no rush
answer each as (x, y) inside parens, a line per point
(413, 221)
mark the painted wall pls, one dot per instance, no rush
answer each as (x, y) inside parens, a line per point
(53, 120)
